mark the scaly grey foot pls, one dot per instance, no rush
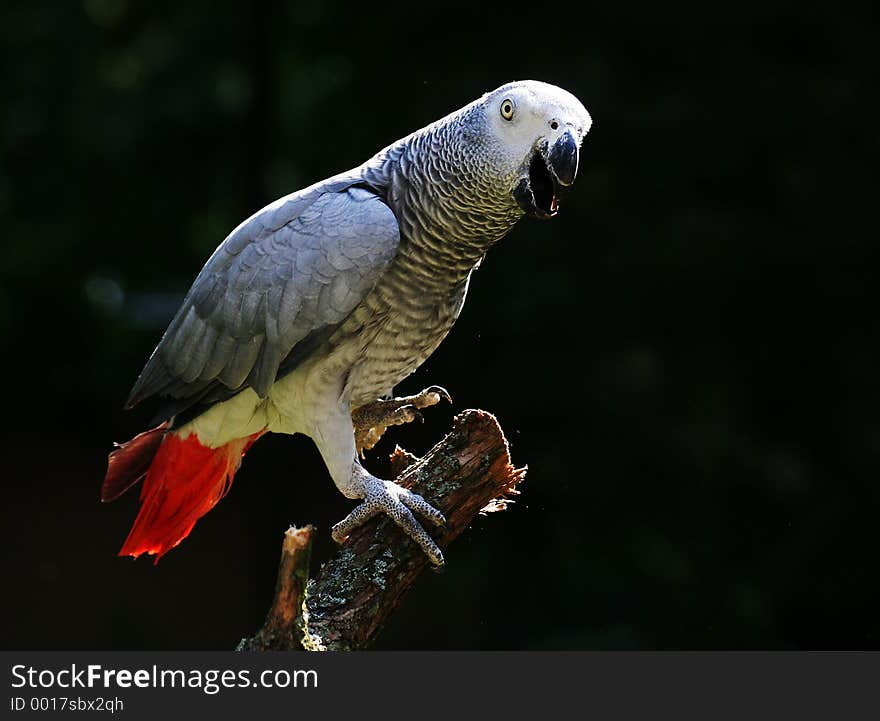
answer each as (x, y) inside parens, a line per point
(398, 504)
(372, 419)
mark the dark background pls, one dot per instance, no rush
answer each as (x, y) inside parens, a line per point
(686, 357)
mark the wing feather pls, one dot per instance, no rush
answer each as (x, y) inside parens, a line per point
(291, 271)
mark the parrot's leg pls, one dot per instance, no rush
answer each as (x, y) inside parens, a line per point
(372, 419)
(334, 436)
(395, 501)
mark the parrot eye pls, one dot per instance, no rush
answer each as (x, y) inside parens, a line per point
(507, 109)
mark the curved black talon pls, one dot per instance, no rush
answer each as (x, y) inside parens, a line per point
(440, 391)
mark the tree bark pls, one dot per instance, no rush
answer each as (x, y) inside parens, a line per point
(468, 473)
(280, 631)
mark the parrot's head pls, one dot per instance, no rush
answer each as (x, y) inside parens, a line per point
(536, 132)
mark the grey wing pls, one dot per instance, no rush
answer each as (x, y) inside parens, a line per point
(289, 273)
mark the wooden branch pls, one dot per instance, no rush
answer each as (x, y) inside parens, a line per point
(280, 632)
(467, 473)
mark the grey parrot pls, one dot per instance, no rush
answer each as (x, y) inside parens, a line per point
(312, 310)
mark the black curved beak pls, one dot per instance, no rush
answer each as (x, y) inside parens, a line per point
(549, 170)
(562, 160)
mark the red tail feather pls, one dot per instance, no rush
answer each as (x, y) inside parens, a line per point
(130, 462)
(184, 482)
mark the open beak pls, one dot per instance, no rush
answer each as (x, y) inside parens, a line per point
(552, 168)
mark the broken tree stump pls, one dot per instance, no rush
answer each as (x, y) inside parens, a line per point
(467, 473)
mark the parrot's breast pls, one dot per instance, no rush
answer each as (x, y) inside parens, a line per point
(397, 327)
